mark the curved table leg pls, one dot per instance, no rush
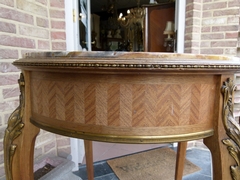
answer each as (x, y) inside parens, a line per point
(20, 137)
(181, 154)
(221, 160)
(226, 136)
(89, 159)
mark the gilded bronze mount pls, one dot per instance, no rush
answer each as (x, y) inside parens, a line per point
(120, 65)
(13, 130)
(232, 127)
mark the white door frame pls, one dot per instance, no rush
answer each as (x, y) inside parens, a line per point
(180, 9)
(73, 44)
(72, 25)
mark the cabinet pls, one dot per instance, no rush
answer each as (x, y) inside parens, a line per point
(155, 22)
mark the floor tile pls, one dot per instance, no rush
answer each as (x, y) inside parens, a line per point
(200, 157)
(197, 176)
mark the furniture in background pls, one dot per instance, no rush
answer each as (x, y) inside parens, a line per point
(156, 19)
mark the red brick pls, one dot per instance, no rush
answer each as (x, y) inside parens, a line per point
(58, 35)
(233, 35)
(59, 46)
(207, 14)
(224, 44)
(188, 37)
(57, 14)
(196, 29)
(8, 54)
(58, 24)
(195, 22)
(212, 51)
(7, 2)
(194, 51)
(49, 146)
(225, 28)
(16, 15)
(10, 92)
(226, 12)
(43, 45)
(9, 105)
(234, 3)
(187, 50)
(206, 29)
(193, 6)
(192, 44)
(33, 31)
(63, 142)
(57, 3)
(42, 22)
(7, 27)
(193, 29)
(187, 44)
(214, 5)
(212, 36)
(8, 79)
(32, 7)
(195, 37)
(231, 51)
(195, 44)
(193, 14)
(233, 19)
(17, 41)
(8, 67)
(205, 44)
(188, 29)
(2, 172)
(188, 14)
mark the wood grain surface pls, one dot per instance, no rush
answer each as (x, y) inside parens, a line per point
(125, 101)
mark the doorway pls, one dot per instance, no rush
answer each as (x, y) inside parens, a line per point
(73, 38)
(131, 25)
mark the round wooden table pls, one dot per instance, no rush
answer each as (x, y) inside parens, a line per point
(124, 98)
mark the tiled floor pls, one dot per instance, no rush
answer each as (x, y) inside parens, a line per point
(103, 151)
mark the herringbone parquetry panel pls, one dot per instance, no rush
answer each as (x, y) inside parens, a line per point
(125, 104)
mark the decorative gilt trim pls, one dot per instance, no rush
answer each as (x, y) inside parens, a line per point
(132, 139)
(232, 127)
(13, 130)
(120, 65)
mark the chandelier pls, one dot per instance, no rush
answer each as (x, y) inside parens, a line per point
(134, 16)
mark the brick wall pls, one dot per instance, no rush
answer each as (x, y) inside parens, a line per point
(25, 26)
(212, 27)
(193, 26)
